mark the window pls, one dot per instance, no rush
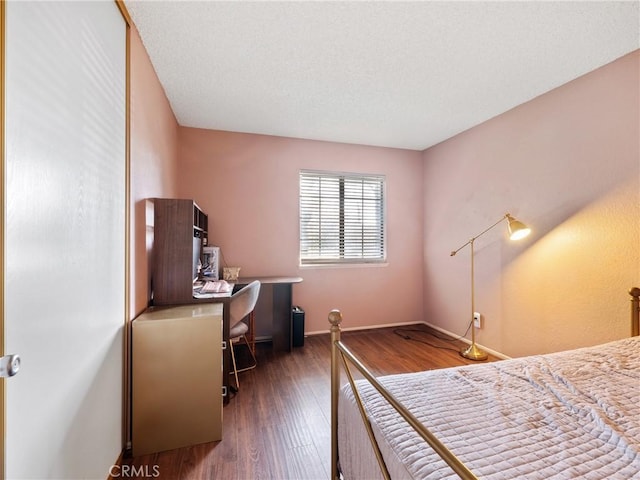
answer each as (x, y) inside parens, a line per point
(341, 218)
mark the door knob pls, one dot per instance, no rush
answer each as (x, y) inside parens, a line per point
(9, 365)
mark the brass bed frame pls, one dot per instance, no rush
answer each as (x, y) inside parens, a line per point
(341, 355)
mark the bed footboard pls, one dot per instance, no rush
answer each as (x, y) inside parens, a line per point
(635, 311)
(342, 359)
(341, 354)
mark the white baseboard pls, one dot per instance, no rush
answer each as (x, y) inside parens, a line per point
(435, 327)
(371, 327)
(465, 340)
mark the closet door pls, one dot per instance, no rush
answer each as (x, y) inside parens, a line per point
(64, 237)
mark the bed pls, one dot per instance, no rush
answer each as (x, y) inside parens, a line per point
(573, 414)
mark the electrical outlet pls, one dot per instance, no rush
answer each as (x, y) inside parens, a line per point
(477, 320)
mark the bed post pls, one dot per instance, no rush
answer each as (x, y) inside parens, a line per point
(335, 318)
(635, 311)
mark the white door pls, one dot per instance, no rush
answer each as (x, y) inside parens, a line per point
(64, 237)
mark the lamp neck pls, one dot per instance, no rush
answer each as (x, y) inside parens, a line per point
(470, 242)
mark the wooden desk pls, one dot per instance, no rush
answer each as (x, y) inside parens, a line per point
(281, 310)
(281, 313)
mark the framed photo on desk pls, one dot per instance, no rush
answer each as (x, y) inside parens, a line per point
(211, 262)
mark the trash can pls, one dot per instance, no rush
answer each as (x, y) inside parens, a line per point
(298, 327)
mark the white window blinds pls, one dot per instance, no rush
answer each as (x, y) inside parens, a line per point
(341, 218)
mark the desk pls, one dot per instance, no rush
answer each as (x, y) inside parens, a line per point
(281, 317)
(281, 288)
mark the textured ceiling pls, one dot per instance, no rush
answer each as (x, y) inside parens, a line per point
(395, 74)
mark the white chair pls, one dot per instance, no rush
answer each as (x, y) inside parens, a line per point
(241, 306)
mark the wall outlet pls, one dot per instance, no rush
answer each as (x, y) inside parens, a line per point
(477, 320)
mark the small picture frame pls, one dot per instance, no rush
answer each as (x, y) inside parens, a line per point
(231, 273)
(211, 262)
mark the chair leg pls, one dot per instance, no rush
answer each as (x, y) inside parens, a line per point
(235, 368)
(250, 336)
(255, 362)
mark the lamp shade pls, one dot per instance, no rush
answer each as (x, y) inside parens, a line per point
(517, 229)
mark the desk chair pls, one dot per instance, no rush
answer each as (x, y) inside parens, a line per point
(241, 306)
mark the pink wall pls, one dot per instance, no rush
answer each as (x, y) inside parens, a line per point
(567, 163)
(154, 144)
(248, 184)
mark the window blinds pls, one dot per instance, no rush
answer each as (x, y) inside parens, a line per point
(341, 218)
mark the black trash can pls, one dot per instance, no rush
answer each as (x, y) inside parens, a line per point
(297, 318)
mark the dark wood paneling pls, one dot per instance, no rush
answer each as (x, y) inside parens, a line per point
(172, 266)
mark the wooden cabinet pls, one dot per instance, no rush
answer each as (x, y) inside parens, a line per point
(177, 377)
(179, 231)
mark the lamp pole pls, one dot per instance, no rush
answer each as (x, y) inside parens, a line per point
(473, 352)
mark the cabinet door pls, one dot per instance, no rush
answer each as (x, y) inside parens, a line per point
(173, 249)
(177, 377)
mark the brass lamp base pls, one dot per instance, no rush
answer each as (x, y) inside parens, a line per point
(474, 353)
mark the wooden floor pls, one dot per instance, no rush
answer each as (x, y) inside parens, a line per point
(277, 425)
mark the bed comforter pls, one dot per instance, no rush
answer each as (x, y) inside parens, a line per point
(572, 414)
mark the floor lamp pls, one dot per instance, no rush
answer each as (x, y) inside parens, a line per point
(517, 230)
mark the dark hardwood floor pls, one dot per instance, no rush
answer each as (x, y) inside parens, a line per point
(277, 425)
